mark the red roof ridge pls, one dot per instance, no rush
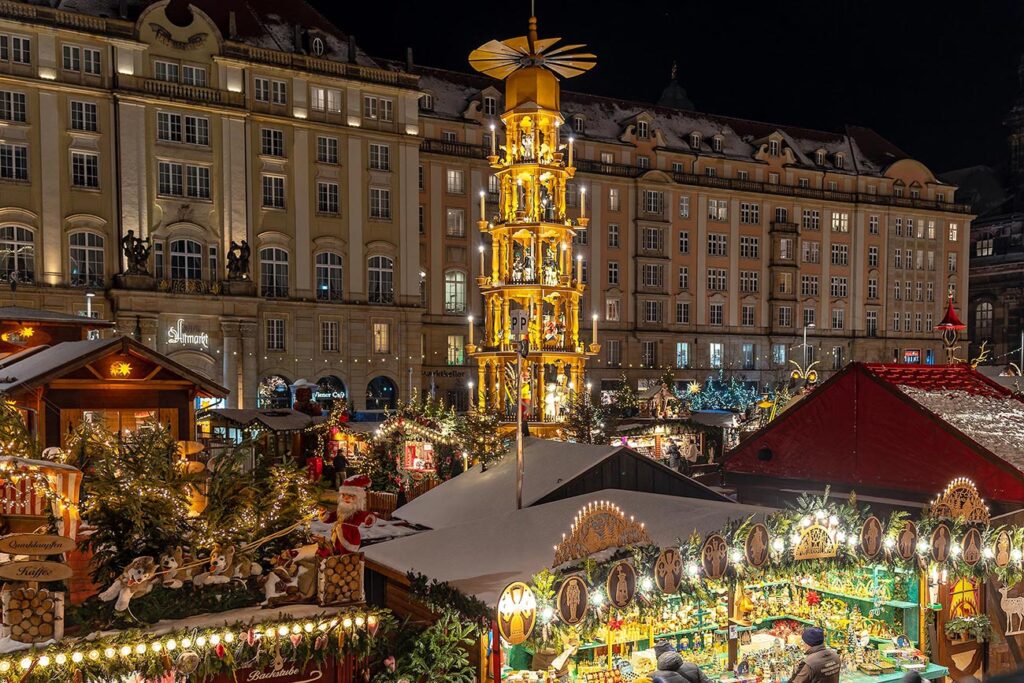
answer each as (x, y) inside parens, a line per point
(958, 377)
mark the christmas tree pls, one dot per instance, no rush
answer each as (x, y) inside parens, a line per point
(478, 436)
(586, 421)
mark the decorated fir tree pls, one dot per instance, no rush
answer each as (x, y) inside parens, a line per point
(479, 437)
(585, 421)
(624, 401)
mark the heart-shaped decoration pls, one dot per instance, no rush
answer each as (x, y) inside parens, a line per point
(220, 650)
(321, 642)
(372, 624)
(296, 639)
(250, 637)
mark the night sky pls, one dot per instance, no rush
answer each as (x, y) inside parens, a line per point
(935, 78)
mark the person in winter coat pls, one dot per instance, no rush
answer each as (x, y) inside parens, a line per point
(821, 664)
(672, 669)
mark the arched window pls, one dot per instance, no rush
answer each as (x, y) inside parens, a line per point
(186, 260)
(328, 276)
(17, 254)
(85, 256)
(380, 274)
(983, 319)
(454, 291)
(381, 394)
(273, 272)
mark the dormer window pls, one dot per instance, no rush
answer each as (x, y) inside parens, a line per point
(840, 160)
(579, 124)
(426, 102)
(819, 157)
(695, 140)
(490, 106)
(642, 130)
(716, 143)
(773, 148)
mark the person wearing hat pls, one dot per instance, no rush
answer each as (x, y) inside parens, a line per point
(820, 664)
(672, 669)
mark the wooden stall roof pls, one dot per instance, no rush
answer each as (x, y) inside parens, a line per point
(50, 363)
(273, 419)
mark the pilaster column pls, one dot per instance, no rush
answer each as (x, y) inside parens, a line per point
(250, 364)
(230, 330)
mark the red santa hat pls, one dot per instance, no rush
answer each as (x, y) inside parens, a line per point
(355, 486)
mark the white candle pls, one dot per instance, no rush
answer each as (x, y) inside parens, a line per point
(583, 202)
(481, 250)
(494, 142)
(579, 267)
(570, 151)
(593, 329)
(470, 396)
(470, 329)
(483, 209)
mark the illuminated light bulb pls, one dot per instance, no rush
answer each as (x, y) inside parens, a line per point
(201, 641)
(841, 536)
(229, 637)
(1016, 555)
(5, 666)
(125, 650)
(778, 545)
(214, 639)
(25, 663)
(44, 660)
(954, 549)
(371, 620)
(61, 659)
(820, 514)
(987, 553)
(890, 542)
(295, 628)
(94, 655)
(186, 643)
(794, 539)
(157, 646)
(359, 622)
(282, 631)
(140, 649)
(347, 623)
(922, 547)
(646, 585)
(852, 542)
(597, 598)
(805, 522)
(833, 520)
(334, 622)
(692, 569)
(735, 556)
(307, 627)
(321, 626)
(109, 653)
(547, 614)
(171, 645)
(77, 657)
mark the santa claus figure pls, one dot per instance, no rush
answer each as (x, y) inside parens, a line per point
(352, 515)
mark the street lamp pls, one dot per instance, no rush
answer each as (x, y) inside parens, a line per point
(805, 343)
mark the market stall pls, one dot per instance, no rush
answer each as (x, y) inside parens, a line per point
(891, 593)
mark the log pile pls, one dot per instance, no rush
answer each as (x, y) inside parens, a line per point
(340, 580)
(33, 615)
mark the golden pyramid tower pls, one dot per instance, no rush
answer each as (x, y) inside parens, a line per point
(531, 237)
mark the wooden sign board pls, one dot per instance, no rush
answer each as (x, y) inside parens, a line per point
(35, 570)
(621, 584)
(572, 600)
(35, 544)
(714, 557)
(517, 613)
(871, 537)
(972, 547)
(906, 542)
(756, 546)
(668, 571)
(940, 543)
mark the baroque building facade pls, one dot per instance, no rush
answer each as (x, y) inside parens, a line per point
(354, 182)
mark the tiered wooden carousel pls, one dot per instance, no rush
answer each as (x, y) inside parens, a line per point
(531, 269)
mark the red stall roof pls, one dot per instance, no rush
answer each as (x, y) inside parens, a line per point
(906, 428)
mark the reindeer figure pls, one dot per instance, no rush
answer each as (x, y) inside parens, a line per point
(981, 357)
(1013, 608)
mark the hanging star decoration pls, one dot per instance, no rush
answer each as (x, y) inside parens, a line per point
(121, 369)
(693, 387)
(500, 58)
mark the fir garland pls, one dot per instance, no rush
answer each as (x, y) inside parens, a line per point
(439, 596)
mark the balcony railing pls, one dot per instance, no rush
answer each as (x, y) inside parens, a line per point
(315, 64)
(188, 286)
(455, 149)
(628, 171)
(780, 226)
(272, 291)
(179, 91)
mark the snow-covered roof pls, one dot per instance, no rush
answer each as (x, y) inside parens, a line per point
(606, 119)
(481, 556)
(476, 493)
(276, 419)
(51, 361)
(24, 314)
(995, 423)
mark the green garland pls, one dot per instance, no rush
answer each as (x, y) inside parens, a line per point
(440, 596)
(203, 652)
